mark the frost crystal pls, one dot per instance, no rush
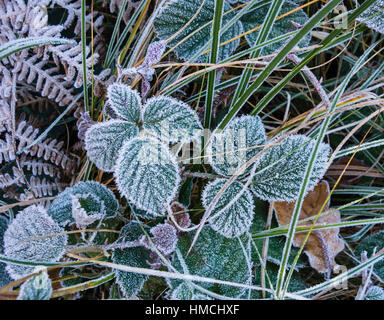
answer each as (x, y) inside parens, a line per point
(280, 169)
(103, 142)
(32, 235)
(80, 215)
(130, 283)
(231, 217)
(243, 138)
(375, 293)
(125, 102)
(256, 17)
(213, 256)
(176, 16)
(170, 120)
(95, 198)
(181, 292)
(39, 287)
(373, 17)
(164, 238)
(147, 174)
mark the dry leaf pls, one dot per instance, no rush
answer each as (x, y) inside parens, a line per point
(323, 245)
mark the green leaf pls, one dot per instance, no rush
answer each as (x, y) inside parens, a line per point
(147, 174)
(103, 142)
(230, 149)
(176, 16)
(39, 287)
(369, 244)
(213, 256)
(130, 283)
(230, 217)
(125, 102)
(280, 169)
(33, 235)
(182, 292)
(170, 120)
(256, 18)
(97, 197)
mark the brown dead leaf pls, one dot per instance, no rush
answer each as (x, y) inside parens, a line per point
(323, 245)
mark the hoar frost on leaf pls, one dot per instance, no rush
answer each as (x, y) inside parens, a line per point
(176, 15)
(241, 140)
(125, 101)
(80, 215)
(103, 142)
(230, 217)
(170, 120)
(182, 292)
(131, 283)
(4, 276)
(280, 169)
(373, 17)
(96, 198)
(256, 17)
(375, 293)
(38, 287)
(33, 235)
(164, 239)
(147, 174)
(213, 256)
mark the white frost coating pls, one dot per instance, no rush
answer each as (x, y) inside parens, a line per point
(27, 239)
(230, 149)
(164, 238)
(237, 218)
(125, 101)
(103, 141)
(373, 17)
(80, 215)
(170, 119)
(375, 293)
(147, 174)
(182, 292)
(39, 287)
(178, 13)
(280, 169)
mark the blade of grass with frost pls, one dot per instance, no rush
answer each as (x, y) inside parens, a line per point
(215, 35)
(342, 277)
(83, 286)
(132, 21)
(84, 52)
(303, 188)
(312, 22)
(17, 45)
(325, 44)
(115, 31)
(262, 35)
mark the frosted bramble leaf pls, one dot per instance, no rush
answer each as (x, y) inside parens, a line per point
(130, 283)
(180, 215)
(256, 17)
(164, 238)
(177, 14)
(147, 174)
(369, 244)
(32, 235)
(39, 287)
(154, 52)
(243, 138)
(231, 217)
(212, 256)
(170, 120)
(373, 17)
(103, 142)
(375, 293)
(80, 207)
(4, 276)
(181, 292)
(280, 169)
(95, 198)
(125, 102)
